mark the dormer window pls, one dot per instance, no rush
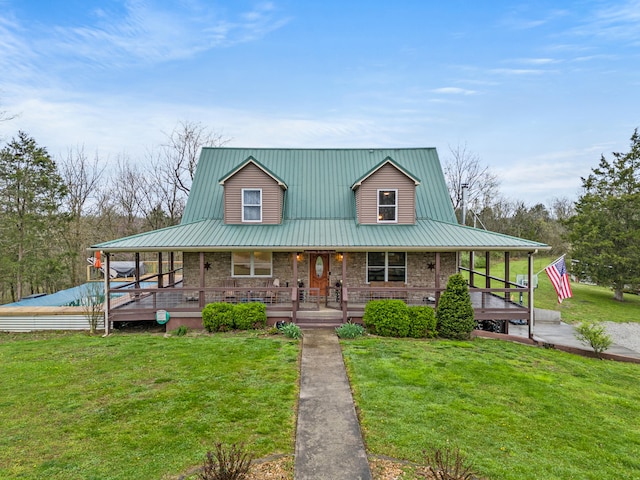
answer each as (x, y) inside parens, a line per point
(387, 206)
(252, 205)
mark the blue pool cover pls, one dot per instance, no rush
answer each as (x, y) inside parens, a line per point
(70, 297)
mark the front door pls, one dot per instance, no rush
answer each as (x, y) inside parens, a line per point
(319, 272)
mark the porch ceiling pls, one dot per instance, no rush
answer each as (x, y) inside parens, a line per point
(343, 235)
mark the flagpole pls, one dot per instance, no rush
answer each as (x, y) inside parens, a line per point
(559, 258)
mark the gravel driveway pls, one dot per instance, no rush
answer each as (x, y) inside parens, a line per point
(625, 334)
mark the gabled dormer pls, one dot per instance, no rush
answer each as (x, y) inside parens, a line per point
(252, 194)
(386, 194)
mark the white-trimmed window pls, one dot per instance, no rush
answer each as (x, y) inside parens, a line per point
(251, 264)
(386, 267)
(251, 205)
(387, 206)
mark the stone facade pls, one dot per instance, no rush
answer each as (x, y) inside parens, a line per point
(419, 273)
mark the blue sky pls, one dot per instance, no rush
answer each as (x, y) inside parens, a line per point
(537, 89)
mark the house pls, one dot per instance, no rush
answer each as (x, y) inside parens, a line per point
(314, 230)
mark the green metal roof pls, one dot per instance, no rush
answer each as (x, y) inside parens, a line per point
(345, 235)
(319, 210)
(319, 181)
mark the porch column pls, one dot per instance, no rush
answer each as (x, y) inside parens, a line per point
(172, 273)
(507, 283)
(472, 261)
(107, 298)
(201, 293)
(343, 293)
(160, 277)
(530, 288)
(487, 262)
(137, 270)
(294, 289)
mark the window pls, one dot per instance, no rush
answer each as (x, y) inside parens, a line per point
(386, 267)
(251, 205)
(251, 264)
(387, 206)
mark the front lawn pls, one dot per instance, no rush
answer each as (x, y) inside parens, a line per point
(140, 406)
(518, 412)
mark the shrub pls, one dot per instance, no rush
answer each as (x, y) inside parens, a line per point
(422, 322)
(388, 318)
(226, 463)
(350, 330)
(594, 334)
(291, 330)
(217, 317)
(449, 464)
(454, 317)
(247, 316)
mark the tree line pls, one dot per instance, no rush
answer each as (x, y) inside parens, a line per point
(51, 210)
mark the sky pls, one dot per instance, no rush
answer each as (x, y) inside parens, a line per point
(538, 90)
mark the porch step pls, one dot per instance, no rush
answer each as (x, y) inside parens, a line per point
(323, 318)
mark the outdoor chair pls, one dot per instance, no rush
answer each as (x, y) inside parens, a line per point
(229, 295)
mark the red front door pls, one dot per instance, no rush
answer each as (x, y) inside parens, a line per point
(319, 272)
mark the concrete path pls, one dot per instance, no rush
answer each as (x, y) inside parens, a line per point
(328, 440)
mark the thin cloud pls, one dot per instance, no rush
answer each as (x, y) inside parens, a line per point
(149, 34)
(454, 91)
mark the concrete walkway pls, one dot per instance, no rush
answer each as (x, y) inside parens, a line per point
(329, 444)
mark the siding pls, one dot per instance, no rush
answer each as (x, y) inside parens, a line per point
(252, 177)
(44, 318)
(388, 177)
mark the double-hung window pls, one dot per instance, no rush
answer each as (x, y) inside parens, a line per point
(386, 267)
(251, 264)
(251, 205)
(387, 206)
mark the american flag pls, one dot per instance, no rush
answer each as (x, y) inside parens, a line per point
(559, 277)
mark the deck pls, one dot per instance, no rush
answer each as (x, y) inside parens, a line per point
(291, 304)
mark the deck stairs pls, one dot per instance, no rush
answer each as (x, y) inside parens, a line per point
(323, 318)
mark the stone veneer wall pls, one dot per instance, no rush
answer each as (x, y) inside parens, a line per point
(418, 272)
(220, 269)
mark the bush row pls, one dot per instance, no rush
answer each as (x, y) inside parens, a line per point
(453, 319)
(221, 317)
(393, 318)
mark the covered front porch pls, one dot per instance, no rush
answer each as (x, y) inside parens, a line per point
(298, 296)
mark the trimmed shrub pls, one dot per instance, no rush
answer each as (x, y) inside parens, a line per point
(422, 322)
(387, 318)
(226, 463)
(454, 317)
(218, 317)
(349, 330)
(249, 316)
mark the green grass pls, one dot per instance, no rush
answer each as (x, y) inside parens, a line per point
(516, 411)
(589, 303)
(140, 406)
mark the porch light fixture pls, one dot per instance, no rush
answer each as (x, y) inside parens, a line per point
(299, 257)
(339, 256)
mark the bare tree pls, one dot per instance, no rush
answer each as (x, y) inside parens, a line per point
(464, 168)
(82, 178)
(180, 153)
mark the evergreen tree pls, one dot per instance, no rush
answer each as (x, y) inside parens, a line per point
(605, 231)
(454, 316)
(31, 192)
